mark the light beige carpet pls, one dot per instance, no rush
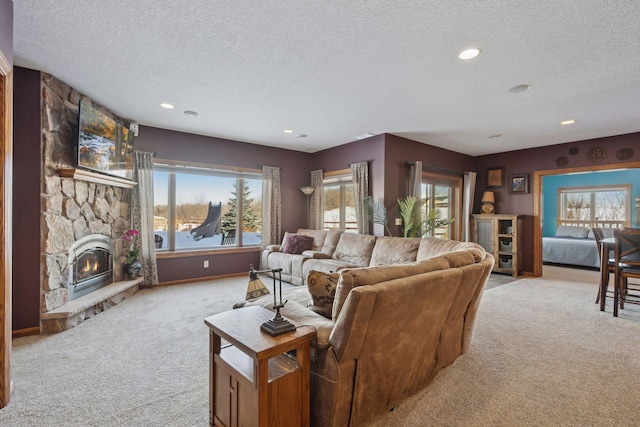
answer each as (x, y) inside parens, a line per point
(542, 355)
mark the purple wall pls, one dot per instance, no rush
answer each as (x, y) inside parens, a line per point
(539, 159)
(6, 29)
(294, 173)
(26, 198)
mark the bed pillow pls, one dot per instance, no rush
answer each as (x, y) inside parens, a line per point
(572, 231)
(296, 243)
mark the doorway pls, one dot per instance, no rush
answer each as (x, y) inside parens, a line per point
(538, 202)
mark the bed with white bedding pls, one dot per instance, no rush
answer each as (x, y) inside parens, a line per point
(572, 246)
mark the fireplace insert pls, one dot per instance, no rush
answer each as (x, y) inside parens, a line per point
(91, 265)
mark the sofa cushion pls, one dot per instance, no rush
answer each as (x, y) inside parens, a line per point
(296, 243)
(435, 246)
(394, 250)
(331, 241)
(355, 249)
(319, 237)
(459, 258)
(322, 287)
(354, 277)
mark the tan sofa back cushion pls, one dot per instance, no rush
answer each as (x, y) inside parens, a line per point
(394, 250)
(319, 237)
(434, 246)
(324, 241)
(331, 241)
(353, 277)
(355, 248)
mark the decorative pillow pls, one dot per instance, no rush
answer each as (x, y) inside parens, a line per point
(322, 287)
(572, 231)
(296, 243)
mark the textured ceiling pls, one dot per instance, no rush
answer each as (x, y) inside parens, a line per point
(334, 70)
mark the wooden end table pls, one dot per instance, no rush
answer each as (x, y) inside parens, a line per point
(255, 380)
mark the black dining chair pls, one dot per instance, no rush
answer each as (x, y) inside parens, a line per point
(626, 266)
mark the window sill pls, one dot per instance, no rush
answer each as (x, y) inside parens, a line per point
(185, 253)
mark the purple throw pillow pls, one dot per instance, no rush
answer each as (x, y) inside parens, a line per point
(297, 243)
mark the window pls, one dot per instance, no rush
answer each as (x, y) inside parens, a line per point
(198, 208)
(339, 211)
(601, 206)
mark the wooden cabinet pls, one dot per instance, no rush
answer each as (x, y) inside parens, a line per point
(257, 379)
(501, 236)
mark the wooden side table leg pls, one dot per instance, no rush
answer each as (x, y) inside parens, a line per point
(214, 348)
(262, 383)
(304, 362)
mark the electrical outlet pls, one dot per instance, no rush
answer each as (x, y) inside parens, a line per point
(206, 263)
(398, 221)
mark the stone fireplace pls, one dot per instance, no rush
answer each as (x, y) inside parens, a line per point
(83, 217)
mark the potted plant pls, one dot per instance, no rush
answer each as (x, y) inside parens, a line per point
(132, 267)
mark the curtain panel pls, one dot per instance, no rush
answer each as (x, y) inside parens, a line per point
(360, 172)
(316, 216)
(142, 215)
(468, 191)
(415, 190)
(271, 206)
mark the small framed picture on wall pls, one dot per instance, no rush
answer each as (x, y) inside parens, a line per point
(495, 177)
(519, 183)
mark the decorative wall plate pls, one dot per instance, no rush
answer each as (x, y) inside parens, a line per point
(624, 153)
(573, 150)
(596, 154)
(562, 161)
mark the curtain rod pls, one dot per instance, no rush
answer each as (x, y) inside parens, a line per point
(435, 168)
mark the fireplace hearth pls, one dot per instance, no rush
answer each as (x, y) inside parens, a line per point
(90, 265)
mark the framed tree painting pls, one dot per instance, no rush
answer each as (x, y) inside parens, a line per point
(495, 177)
(519, 183)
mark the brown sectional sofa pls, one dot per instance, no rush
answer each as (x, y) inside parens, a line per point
(394, 324)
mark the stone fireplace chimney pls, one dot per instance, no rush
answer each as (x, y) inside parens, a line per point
(73, 209)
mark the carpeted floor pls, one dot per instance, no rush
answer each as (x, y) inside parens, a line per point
(542, 355)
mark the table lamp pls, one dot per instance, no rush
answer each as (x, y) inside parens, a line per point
(278, 325)
(487, 202)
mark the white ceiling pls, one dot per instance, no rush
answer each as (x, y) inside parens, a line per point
(334, 70)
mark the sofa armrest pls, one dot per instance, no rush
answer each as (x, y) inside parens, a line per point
(315, 254)
(272, 248)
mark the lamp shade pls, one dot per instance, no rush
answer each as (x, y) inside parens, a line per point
(488, 196)
(307, 190)
(255, 288)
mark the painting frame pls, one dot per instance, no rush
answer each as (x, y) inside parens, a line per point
(495, 177)
(519, 183)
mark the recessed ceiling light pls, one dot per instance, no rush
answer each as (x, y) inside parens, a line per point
(191, 113)
(167, 106)
(568, 122)
(469, 53)
(288, 131)
(520, 88)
